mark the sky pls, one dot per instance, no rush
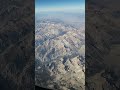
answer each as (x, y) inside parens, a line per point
(59, 5)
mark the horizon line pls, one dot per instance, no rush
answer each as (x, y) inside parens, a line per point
(59, 9)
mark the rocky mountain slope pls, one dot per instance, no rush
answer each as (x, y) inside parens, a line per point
(60, 56)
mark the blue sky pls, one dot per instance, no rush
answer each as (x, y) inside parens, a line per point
(59, 5)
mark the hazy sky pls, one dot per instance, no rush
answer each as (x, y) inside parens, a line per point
(59, 5)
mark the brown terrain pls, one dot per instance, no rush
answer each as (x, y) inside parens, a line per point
(60, 51)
